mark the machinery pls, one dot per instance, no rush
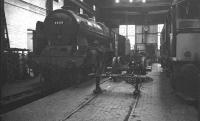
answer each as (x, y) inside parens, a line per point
(13, 60)
(67, 47)
(135, 74)
(180, 52)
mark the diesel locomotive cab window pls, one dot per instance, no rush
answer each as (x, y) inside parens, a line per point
(188, 10)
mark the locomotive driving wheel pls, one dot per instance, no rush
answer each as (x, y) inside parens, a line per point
(50, 77)
(76, 74)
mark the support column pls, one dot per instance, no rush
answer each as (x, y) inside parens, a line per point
(49, 6)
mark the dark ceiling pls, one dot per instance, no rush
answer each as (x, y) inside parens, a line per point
(124, 12)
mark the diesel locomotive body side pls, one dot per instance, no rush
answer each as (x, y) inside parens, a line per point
(180, 48)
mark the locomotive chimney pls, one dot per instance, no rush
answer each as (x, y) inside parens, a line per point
(68, 5)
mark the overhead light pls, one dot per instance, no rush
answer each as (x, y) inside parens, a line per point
(130, 1)
(94, 7)
(144, 1)
(116, 1)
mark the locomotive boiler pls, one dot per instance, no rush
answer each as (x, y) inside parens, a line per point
(180, 50)
(68, 46)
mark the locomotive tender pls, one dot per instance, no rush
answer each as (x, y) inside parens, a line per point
(69, 46)
(180, 50)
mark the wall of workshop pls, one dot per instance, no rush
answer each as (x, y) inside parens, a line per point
(21, 17)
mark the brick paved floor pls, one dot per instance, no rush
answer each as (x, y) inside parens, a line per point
(158, 103)
(112, 105)
(52, 107)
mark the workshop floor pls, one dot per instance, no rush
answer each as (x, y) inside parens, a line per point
(156, 103)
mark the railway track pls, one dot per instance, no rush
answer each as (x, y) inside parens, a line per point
(83, 104)
(14, 101)
(132, 109)
(92, 97)
(11, 102)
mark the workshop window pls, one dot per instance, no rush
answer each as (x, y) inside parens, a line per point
(30, 39)
(81, 11)
(129, 32)
(160, 27)
(122, 30)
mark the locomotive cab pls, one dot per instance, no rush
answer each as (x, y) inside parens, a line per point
(60, 28)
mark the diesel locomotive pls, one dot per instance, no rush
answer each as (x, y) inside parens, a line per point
(180, 51)
(68, 46)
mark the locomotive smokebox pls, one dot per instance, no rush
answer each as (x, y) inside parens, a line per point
(60, 28)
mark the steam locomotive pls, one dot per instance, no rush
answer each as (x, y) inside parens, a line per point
(180, 52)
(67, 47)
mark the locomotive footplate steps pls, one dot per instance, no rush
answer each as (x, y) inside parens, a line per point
(135, 80)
